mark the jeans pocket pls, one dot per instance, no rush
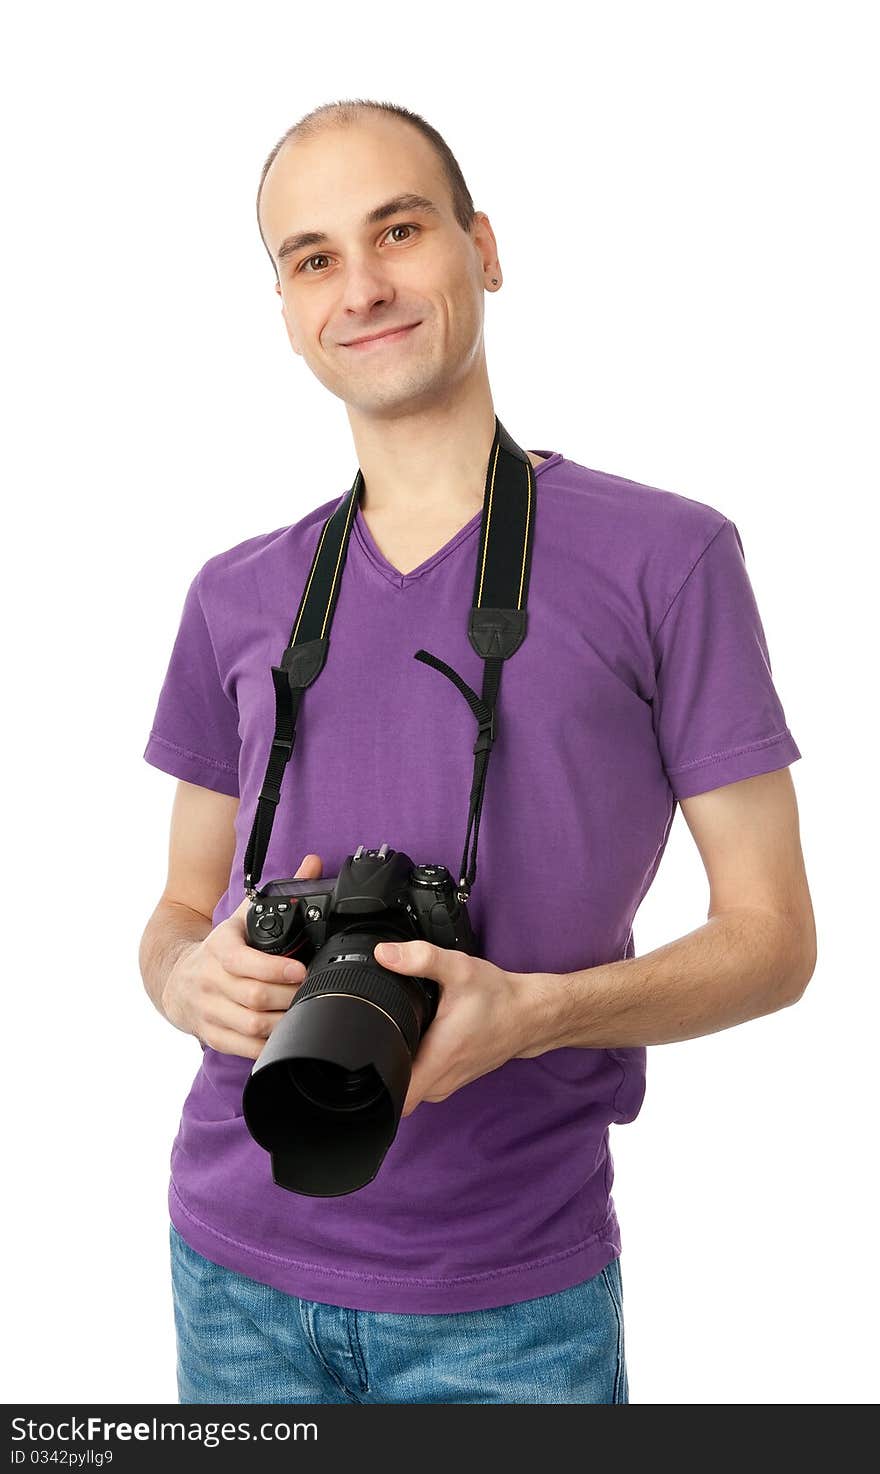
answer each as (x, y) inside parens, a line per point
(190, 1271)
(613, 1281)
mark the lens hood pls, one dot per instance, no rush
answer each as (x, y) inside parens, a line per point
(325, 1096)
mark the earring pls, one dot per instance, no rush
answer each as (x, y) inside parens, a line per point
(494, 281)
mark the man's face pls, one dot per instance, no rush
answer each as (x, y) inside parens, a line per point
(414, 266)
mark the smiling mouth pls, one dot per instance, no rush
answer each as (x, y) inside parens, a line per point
(394, 336)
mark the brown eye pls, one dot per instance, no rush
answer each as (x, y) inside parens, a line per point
(322, 257)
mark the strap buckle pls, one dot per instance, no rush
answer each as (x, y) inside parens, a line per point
(487, 734)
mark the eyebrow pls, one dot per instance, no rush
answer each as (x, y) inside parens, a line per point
(410, 202)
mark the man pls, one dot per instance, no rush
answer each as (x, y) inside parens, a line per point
(482, 1264)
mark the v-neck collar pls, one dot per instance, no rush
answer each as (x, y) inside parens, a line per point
(401, 580)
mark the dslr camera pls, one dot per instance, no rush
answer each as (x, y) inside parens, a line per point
(325, 1095)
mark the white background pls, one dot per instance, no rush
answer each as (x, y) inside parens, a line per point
(681, 195)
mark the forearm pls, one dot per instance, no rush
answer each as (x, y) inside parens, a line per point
(737, 966)
(171, 931)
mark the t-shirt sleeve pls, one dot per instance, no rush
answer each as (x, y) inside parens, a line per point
(717, 715)
(195, 729)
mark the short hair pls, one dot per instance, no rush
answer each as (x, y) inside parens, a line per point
(349, 110)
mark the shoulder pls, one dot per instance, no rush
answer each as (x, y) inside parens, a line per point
(247, 562)
(632, 508)
(640, 535)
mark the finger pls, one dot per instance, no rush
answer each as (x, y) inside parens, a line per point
(262, 997)
(250, 1023)
(310, 869)
(226, 1041)
(239, 960)
(418, 1084)
(242, 961)
(422, 958)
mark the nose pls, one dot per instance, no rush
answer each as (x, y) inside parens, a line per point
(365, 288)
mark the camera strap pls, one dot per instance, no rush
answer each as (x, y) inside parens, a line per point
(496, 628)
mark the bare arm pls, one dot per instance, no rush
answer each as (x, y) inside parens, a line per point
(206, 980)
(755, 954)
(200, 853)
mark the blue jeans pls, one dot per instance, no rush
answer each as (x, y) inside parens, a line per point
(240, 1341)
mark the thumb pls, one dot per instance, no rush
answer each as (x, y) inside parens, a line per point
(311, 868)
(408, 957)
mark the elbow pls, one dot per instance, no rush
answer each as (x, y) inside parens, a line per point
(801, 962)
(795, 986)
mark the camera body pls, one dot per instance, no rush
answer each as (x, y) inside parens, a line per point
(294, 918)
(325, 1096)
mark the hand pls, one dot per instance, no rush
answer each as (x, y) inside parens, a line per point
(483, 1018)
(229, 994)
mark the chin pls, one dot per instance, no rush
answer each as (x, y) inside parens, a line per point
(376, 396)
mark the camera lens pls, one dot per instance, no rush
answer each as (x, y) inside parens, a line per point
(334, 1088)
(326, 1095)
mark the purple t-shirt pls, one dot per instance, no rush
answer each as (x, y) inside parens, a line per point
(644, 678)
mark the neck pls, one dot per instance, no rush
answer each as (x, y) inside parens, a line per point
(431, 461)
